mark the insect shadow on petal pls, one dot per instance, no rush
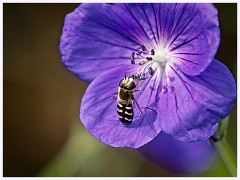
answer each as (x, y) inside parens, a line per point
(128, 111)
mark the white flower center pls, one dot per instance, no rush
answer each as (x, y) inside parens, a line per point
(162, 56)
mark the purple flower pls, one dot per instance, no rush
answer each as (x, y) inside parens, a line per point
(179, 157)
(170, 48)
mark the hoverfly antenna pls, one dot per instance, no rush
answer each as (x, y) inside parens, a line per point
(125, 77)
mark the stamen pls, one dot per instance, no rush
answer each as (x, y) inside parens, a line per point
(139, 76)
(143, 48)
(152, 52)
(156, 59)
(141, 56)
(143, 62)
(149, 58)
(150, 70)
(133, 58)
(143, 77)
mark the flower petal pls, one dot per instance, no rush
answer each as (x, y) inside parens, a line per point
(194, 37)
(98, 113)
(189, 31)
(191, 110)
(98, 35)
(105, 35)
(179, 157)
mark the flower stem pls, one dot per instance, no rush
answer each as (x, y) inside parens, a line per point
(220, 142)
(228, 156)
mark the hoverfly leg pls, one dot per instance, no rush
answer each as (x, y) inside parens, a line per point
(138, 84)
(146, 116)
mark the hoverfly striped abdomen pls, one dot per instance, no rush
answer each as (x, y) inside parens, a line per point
(125, 113)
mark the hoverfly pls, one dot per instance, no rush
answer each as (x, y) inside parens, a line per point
(127, 108)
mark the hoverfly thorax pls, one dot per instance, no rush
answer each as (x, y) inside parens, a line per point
(126, 89)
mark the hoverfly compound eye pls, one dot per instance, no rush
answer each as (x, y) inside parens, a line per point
(121, 83)
(131, 86)
(129, 83)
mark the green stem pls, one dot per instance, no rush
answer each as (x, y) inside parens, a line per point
(228, 156)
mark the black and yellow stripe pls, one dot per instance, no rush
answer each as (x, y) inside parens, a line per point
(125, 113)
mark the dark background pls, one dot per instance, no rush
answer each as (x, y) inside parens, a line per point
(42, 135)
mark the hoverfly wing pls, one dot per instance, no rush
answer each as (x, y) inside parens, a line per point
(98, 108)
(146, 116)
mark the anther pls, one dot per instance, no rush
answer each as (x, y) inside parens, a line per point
(142, 77)
(150, 70)
(143, 48)
(152, 52)
(132, 58)
(139, 76)
(149, 58)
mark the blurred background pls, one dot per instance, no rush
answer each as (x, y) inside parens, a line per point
(42, 135)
